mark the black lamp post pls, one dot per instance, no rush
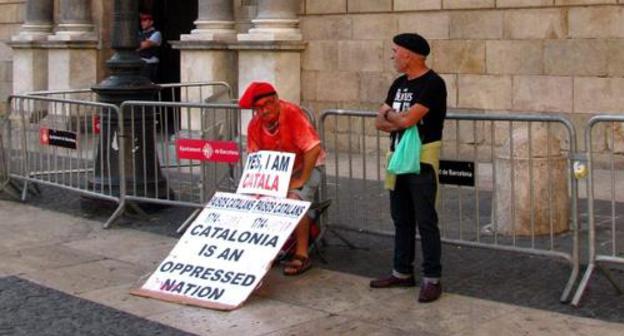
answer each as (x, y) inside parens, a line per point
(142, 170)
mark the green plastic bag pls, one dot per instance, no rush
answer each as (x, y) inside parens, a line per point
(406, 156)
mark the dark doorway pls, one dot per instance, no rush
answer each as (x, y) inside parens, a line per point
(172, 18)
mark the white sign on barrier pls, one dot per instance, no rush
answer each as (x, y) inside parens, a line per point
(226, 251)
(267, 173)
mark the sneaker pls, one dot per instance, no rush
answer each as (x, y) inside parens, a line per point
(429, 292)
(392, 281)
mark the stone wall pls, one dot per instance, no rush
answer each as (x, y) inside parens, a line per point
(11, 18)
(536, 56)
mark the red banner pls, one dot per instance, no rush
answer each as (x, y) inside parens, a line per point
(203, 150)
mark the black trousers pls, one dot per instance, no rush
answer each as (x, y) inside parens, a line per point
(412, 204)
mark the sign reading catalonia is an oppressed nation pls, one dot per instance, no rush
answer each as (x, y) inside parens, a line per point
(267, 173)
(226, 251)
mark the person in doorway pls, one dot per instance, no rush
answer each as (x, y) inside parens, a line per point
(279, 125)
(418, 97)
(150, 41)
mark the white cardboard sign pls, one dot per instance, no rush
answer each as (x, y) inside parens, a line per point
(267, 173)
(226, 251)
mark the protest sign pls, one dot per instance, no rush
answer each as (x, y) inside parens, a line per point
(226, 251)
(267, 173)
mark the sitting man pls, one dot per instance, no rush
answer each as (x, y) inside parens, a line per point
(278, 125)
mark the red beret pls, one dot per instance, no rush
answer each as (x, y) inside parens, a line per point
(255, 91)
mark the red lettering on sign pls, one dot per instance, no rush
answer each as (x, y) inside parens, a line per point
(261, 181)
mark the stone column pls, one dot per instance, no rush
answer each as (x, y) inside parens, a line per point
(204, 53)
(30, 58)
(73, 48)
(271, 50)
(215, 21)
(75, 21)
(38, 21)
(276, 20)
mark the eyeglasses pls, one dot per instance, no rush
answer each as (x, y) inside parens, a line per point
(267, 102)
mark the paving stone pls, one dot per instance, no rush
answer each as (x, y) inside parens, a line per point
(339, 326)
(88, 277)
(339, 292)
(29, 309)
(259, 316)
(118, 297)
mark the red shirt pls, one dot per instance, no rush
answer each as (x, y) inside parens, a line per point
(295, 134)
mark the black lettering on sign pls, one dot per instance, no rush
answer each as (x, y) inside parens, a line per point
(281, 163)
(207, 250)
(190, 289)
(231, 254)
(457, 172)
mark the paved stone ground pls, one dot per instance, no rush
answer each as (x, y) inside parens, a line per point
(504, 277)
(500, 276)
(518, 279)
(29, 309)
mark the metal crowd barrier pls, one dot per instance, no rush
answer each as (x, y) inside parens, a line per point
(4, 165)
(468, 214)
(173, 180)
(155, 174)
(604, 231)
(63, 143)
(197, 92)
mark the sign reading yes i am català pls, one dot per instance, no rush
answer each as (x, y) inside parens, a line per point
(226, 251)
(267, 173)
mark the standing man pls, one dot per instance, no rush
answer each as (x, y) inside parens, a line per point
(278, 125)
(150, 41)
(418, 97)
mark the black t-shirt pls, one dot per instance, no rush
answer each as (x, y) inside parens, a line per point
(428, 90)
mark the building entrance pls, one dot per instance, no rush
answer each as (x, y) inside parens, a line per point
(172, 18)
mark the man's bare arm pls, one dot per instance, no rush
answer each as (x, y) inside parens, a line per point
(309, 161)
(407, 119)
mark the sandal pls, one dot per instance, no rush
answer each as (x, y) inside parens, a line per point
(297, 265)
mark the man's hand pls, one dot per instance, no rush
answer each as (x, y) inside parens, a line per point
(381, 123)
(296, 183)
(309, 160)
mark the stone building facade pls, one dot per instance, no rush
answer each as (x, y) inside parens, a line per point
(538, 56)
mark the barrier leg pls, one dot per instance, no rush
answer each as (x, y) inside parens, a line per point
(11, 189)
(188, 221)
(137, 210)
(115, 215)
(611, 279)
(565, 296)
(24, 191)
(35, 189)
(583, 285)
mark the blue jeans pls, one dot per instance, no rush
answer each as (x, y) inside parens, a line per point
(413, 203)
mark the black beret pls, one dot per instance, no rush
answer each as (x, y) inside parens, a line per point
(412, 42)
